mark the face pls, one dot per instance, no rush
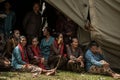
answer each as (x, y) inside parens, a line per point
(17, 34)
(23, 42)
(60, 36)
(35, 42)
(45, 32)
(75, 43)
(36, 7)
(7, 5)
(94, 49)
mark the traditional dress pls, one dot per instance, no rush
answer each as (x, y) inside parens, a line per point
(45, 49)
(35, 52)
(19, 57)
(94, 63)
(20, 62)
(55, 54)
(76, 66)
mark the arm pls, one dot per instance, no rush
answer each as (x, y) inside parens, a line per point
(70, 53)
(101, 53)
(17, 56)
(57, 51)
(90, 57)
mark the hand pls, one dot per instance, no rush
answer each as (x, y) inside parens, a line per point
(73, 58)
(106, 65)
(78, 60)
(99, 50)
(69, 33)
(59, 56)
(60, 40)
(36, 57)
(82, 64)
(42, 60)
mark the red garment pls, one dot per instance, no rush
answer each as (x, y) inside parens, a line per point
(36, 52)
(57, 46)
(23, 54)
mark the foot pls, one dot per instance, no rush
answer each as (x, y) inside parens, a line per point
(50, 73)
(34, 75)
(116, 76)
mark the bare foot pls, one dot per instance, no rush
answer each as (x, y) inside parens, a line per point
(116, 76)
(50, 73)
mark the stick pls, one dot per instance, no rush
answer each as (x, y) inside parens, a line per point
(58, 63)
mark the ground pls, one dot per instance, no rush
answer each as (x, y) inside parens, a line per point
(61, 75)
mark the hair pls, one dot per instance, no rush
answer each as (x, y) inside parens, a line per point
(36, 3)
(72, 39)
(57, 35)
(15, 30)
(93, 43)
(49, 30)
(21, 37)
(34, 37)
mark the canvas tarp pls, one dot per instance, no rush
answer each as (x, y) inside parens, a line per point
(104, 15)
(77, 10)
(105, 18)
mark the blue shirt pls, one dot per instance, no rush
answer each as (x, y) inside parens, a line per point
(45, 47)
(93, 59)
(17, 61)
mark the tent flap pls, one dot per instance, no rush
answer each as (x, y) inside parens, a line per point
(105, 18)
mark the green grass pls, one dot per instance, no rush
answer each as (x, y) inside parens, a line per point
(61, 75)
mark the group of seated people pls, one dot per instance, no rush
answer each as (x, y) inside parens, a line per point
(52, 54)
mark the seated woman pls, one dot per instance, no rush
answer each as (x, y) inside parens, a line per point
(75, 56)
(46, 44)
(57, 57)
(12, 42)
(95, 61)
(20, 60)
(34, 53)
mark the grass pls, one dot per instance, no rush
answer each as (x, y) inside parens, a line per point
(61, 75)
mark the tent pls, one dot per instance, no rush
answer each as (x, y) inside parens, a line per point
(104, 16)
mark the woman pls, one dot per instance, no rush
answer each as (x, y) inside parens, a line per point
(12, 43)
(20, 60)
(34, 55)
(9, 19)
(95, 61)
(75, 55)
(57, 53)
(46, 44)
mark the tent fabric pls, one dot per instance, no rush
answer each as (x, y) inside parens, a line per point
(105, 18)
(77, 10)
(104, 15)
